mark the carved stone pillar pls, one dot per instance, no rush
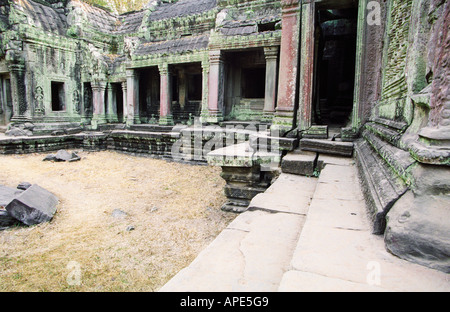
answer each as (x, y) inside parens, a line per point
(18, 92)
(125, 97)
(271, 54)
(205, 90)
(165, 111)
(98, 95)
(290, 35)
(306, 89)
(215, 87)
(132, 97)
(111, 112)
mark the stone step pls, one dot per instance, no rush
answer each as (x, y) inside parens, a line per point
(327, 146)
(300, 163)
(381, 185)
(151, 128)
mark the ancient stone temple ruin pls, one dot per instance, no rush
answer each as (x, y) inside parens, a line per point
(363, 79)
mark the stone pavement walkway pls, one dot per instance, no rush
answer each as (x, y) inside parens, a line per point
(305, 234)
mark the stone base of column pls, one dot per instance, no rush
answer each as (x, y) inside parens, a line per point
(213, 117)
(432, 146)
(98, 120)
(283, 122)
(267, 116)
(136, 120)
(112, 118)
(166, 120)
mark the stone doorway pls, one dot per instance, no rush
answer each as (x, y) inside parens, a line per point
(334, 70)
(187, 90)
(6, 109)
(149, 94)
(245, 78)
(116, 115)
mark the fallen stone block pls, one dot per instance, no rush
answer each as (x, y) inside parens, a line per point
(6, 220)
(34, 206)
(62, 156)
(50, 157)
(7, 194)
(299, 163)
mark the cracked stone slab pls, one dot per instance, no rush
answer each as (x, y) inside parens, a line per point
(252, 254)
(289, 194)
(291, 183)
(290, 203)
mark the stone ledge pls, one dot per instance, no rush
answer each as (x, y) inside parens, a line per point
(382, 187)
(327, 147)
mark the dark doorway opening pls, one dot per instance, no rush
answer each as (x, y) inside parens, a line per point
(6, 107)
(187, 91)
(118, 92)
(336, 31)
(245, 82)
(149, 94)
(253, 82)
(58, 96)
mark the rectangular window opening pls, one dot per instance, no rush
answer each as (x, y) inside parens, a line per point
(271, 26)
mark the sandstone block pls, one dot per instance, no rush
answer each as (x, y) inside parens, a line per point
(34, 206)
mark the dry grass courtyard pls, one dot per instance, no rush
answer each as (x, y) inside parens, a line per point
(173, 210)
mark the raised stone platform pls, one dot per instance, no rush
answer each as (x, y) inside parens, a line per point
(247, 172)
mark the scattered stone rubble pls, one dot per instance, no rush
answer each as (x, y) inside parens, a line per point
(62, 156)
(27, 205)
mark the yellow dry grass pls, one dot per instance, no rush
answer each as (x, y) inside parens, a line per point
(174, 209)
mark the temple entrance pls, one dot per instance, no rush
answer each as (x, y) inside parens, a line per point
(334, 68)
(186, 91)
(118, 101)
(149, 94)
(6, 109)
(245, 84)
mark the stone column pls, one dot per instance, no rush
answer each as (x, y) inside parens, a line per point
(165, 112)
(18, 92)
(132, 97)
(271, 54)
(287, 84)
(182, 88)
(205, 93)
(307, 66)
(215, 87)
(111, 113)
(98, 96)
(125, 97)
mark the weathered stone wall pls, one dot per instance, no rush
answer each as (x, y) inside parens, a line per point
(404, 153)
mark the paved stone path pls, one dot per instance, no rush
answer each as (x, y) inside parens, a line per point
(305, 234)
